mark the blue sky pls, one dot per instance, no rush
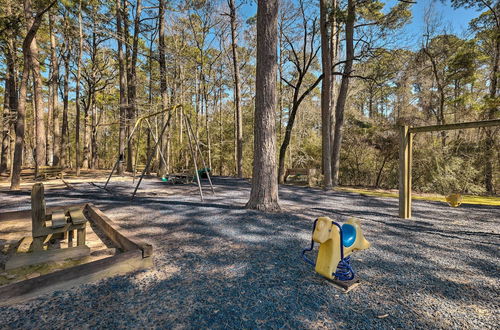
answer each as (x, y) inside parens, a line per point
(456, 19)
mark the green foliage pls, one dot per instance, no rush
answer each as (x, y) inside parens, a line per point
(455, 174)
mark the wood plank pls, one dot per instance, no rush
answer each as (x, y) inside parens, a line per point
(58, 219)
(115, 233)
(48, 231)
(345, 286)
(25, 215)
(471, 124)
(38, 257)
(76, 216)
(81, 236)
(64, 279)
(38, 215)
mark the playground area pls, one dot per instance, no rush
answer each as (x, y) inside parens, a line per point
(219, 265)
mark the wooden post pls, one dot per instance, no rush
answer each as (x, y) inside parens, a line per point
(70, 238)
(405, 157)
(81, 236)
(38, 215)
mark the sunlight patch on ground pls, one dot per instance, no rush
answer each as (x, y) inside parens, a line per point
(466, 199)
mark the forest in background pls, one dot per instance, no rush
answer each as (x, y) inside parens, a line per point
(84, 71)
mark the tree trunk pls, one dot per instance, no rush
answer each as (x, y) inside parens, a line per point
(132, 84)
(40, 137)
(123, 83)
(10, 97)
(54, 82)
(20, 121)
(264, 192)
(77, 96)
(237, 93)
(34, 24)
(291, 120)
(344, 88)
(4, 145)
(11, 100)
(64, 129)
(492, 114)
(326, 63)
(163, 71)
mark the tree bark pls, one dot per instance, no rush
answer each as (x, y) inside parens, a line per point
(64, 129)
(40, 137)
(237, 93)
(163, 72)
(77, 96)
(4, 145)
(132, 84)
(264, 192)
(291, 120)
(123, 83)
(492, 114)
(344, 88)
(326, 113)
(33, 24)
(10, 100)
(54, 82)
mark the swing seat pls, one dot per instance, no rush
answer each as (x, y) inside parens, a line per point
(454, 200)
(348, 234)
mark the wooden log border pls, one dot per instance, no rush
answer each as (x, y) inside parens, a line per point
(136, 256)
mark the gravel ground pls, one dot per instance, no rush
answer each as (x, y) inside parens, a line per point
(218, 265)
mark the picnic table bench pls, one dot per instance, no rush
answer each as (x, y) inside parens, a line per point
(309, 172)
(44, 172)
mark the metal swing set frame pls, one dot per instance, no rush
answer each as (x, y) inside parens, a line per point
(193, 142)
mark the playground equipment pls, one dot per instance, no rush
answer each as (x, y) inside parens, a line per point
(405, 156)
(51, 228)
(337, 243)
(193, 147)
(309, 172)
(47, 226)
(454, 200)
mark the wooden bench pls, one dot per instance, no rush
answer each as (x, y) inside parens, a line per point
(46, 226)
(309, 172)
(51, 171)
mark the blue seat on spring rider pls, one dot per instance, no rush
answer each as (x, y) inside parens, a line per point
(349, 234)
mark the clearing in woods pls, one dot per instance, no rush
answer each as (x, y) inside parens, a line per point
(220, 265)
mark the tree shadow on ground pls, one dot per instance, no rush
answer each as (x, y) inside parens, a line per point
(218, 265)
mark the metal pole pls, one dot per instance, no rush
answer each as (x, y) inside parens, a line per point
(193, 155)
(137, 153)
(151, 156)
(201, 155)
(155, 139)
(131, 134)
(120, 156)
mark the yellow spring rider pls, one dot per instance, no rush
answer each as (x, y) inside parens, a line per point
(336, 243)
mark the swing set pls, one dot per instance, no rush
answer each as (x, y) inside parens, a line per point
(405, 157)
(193, 142)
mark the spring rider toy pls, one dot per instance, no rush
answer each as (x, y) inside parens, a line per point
(337, 243)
